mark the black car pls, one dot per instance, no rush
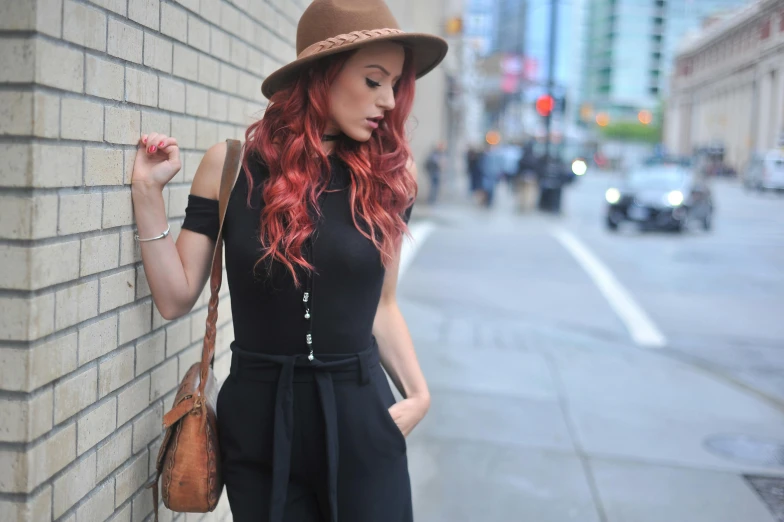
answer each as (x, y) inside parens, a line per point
(660, 197)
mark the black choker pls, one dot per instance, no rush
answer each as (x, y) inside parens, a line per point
(330, 137)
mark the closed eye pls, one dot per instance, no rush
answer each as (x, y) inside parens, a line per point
(372, 84)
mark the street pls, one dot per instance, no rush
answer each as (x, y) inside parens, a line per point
(583, 375)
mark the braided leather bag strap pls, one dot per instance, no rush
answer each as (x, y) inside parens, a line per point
(231, 169)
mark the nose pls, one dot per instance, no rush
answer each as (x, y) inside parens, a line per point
(386, 99)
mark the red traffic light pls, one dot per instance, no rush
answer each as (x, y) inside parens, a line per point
(545, 104)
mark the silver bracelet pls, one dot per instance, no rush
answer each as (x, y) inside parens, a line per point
(137, 238)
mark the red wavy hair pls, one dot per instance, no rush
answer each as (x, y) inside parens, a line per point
(288, 141)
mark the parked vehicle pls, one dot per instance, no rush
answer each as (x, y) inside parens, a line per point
(766, 171)
(660, 196)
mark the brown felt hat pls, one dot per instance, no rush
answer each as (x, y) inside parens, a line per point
(333, 26)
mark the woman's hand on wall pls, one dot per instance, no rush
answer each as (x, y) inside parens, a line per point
(157, 161)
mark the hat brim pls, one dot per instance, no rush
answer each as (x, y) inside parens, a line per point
(428, 51)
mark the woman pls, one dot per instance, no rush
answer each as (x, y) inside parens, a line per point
(309, 429)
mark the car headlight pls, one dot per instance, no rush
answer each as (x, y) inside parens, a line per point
(579, 167)
(675, 198)
(613, 196)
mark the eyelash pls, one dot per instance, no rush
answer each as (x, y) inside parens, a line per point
(372, 84)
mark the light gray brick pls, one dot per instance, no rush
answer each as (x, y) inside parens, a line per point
(163, 379)
(171, 95)
(56, 166)
(237, 113)
(123, 126)
(50, 456)
(142, 285)
(103, 166)
(147, 428)
(125, 41)
(209, 71)
(81, 120)
(17, 15)
(178, 200)
(186, 63)
(255, 62)
(129, 249)
(187, 359)
(249, 86)
(75, 393)
(117, 289)
(150, 352)
(99, 506)
(198, 324)
(219, 106)
(30, 368)
(114, 452)
(133, 400)
(80, 213)
(230, 18)
(174, 22)
(26, 319)
(84, 25)
(46, 115)
(16, 113)
(58, 66)
(74, 484)
(178, 336)
(99, 253)
(156, 122)
(97, 339)
(131, 478)
(26, 420)
(95, 425)
(145, 12)
(184, 129)
(33, 268)
(18, 58)
(141, 87)
(157, 53)
(248, 29)
(118, 6)
(32, 509)
(142, 505)
(239, 53)
(135, 322)
(76, 303)
(198, 34)
(49, 17)
(229, 78)
(117, 208)
(28, 217)
(123, 515)
(206, 134)
(211, 10)
(104, 78)
(192, 5)
(115, 371)
(196, 101)
(220, 44)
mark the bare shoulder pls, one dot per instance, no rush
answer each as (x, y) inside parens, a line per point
(207, 180)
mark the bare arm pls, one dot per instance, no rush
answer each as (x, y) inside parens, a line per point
(176, 272)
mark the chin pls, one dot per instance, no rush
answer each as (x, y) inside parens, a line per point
(360, 135)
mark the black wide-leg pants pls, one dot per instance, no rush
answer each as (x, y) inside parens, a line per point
(311, 441)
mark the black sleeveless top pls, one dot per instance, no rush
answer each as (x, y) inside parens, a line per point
(266, 305)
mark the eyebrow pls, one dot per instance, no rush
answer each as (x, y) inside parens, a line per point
(382, 69)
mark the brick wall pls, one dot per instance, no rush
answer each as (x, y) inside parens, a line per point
(87, 365)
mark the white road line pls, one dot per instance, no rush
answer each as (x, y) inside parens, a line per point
(420, 231)
(640, 326)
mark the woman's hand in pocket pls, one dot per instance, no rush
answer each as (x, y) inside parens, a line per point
(157, 160)
(409, 412)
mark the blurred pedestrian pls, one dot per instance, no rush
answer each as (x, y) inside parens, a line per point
(474, 159)
(435, 166)
(492, 171)
(526, 179)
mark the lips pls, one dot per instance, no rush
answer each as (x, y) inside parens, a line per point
(375, 122)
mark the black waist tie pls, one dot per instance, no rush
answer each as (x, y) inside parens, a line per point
(323, 370)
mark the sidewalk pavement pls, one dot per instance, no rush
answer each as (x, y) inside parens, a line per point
(536, 422)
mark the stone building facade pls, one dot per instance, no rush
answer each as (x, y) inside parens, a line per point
(728, 86)
(87, 364)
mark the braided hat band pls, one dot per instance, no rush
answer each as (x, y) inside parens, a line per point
(347, 39)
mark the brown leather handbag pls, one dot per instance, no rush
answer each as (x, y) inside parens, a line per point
(189, 459)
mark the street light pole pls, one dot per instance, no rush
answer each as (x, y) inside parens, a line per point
(551, 77)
